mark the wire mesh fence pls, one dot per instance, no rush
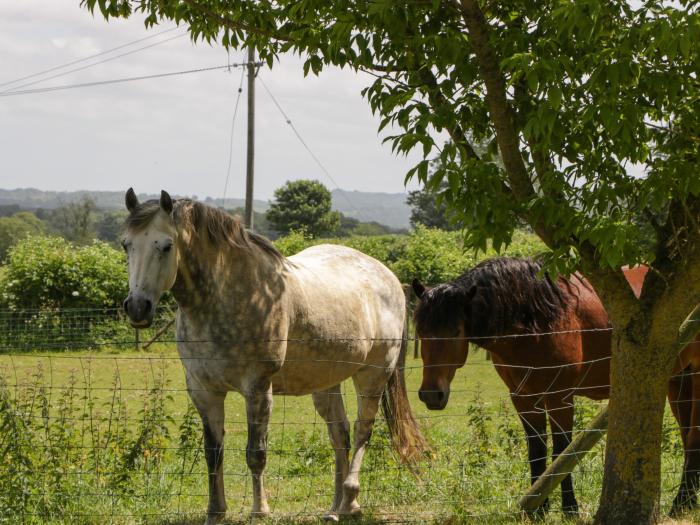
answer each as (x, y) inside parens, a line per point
(97, 432)
(64, 329)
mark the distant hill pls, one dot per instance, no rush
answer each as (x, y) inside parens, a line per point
(31, 199)
(385, 208)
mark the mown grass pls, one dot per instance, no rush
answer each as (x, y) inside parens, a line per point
(127, 450)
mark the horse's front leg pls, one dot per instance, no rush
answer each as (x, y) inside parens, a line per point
(258, 407)
(684, 397)
(210, 406)
(534, 421)
(561, 422)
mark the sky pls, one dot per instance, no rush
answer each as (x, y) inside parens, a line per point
(173, 133)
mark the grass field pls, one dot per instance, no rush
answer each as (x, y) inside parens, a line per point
(111, 438)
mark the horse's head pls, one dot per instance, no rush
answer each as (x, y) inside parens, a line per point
(149, 243)
(441, 326)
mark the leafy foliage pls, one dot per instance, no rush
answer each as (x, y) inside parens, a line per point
(429, 254)
(426, 210)
(77, 221)
(17, 227)
(570, 94)
(303, 205)
(50, 272)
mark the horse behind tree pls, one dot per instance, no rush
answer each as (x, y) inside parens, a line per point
(252, 321)
(549, 342)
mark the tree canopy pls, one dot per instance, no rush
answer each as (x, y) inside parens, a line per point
(15, 228)
(303, 205)
(572, 93)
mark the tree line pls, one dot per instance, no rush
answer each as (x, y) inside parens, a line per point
(298, 206)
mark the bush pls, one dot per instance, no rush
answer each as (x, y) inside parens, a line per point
(433, 256)
(51, 273)
(429, 254)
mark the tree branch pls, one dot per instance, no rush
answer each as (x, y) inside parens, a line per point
(502, 114)
(439, 101)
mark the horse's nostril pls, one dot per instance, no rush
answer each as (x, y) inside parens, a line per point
(440, 396)
(126, 305)
(149, 305)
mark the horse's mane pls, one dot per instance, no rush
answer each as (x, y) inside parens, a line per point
(202, 221)
(497, 297)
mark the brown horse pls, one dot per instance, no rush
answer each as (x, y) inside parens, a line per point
(549, 342)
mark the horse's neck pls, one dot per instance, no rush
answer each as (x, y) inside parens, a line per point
(226, 278)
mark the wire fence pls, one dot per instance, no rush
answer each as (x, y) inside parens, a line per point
(94, 429)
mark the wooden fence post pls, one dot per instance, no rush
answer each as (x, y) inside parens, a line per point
(136, 339)
(565, 463)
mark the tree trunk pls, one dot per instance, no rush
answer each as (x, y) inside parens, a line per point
(632, 476)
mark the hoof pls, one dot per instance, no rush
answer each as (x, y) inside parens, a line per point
(570, 511)
(681, 504)
(259, 515)
(215, 518)
(354, 511)
(331, 517)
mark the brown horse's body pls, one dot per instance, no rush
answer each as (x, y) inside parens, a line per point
(544, 366)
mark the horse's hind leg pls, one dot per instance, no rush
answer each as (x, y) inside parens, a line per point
(258, 402)
(561, 421)
(329, 405)
(534, 421)
(369, 385)
(683, 392)
(210, 406)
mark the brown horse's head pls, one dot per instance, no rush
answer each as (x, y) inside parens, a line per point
(441, 325)
(499, 296)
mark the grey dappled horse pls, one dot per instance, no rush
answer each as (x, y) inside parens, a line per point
(255, 322)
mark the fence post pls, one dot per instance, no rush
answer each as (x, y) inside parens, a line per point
(136, 339)
(565, 463)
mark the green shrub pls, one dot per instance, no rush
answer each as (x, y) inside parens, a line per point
(431, 255)
(51, 273)
(295, 242)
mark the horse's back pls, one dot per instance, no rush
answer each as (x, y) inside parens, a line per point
(572, 358)
(333, 273)
(347, 312)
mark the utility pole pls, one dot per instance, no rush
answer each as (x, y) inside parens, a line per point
(250, 157)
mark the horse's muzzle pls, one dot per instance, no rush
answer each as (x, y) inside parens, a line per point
(140, 311)
(434, 399)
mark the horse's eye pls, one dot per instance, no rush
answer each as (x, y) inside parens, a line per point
(167, 248)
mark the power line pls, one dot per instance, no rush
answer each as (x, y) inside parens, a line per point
(122, 46)
(313, 155)
(116, 80)
(230, 148)
(64, 73)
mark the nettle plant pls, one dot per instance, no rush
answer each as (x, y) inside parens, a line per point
(568, 97)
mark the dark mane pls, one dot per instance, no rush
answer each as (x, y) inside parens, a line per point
(218, 227)
(499, 296)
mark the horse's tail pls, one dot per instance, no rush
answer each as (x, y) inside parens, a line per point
(406, 436)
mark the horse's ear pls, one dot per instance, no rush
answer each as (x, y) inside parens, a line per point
(166, 203)
(418, 288)
(131, 200)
